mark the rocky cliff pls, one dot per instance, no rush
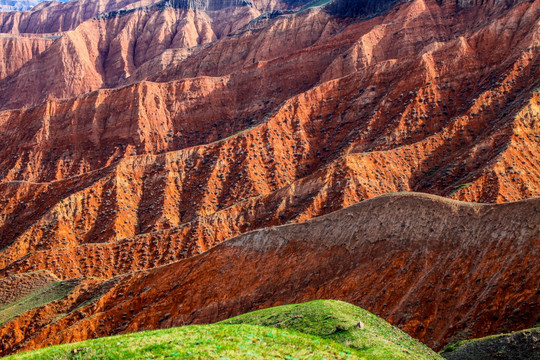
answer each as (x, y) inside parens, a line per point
(15, 51)
(20, 5)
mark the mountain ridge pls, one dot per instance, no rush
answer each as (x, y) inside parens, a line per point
(399, 235)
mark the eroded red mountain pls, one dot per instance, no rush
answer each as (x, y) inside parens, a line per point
(438, 268)
(157, 131)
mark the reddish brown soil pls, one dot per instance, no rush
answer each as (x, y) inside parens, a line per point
(13, 288)
(230, 126)
(435, 267)
(73, 192)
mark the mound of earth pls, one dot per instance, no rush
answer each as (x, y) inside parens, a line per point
(519, 345)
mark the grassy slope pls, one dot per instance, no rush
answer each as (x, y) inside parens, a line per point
(519, 345)
(338, 321)
(40, 297)
(314, 330)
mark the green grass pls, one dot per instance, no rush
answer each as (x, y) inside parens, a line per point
(43, 296)
(338, 321)
(314, 330)
(200, 342)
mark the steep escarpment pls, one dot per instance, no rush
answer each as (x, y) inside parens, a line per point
(15, 51)
(100, 53)
(102, 43)
(424, 263)
(55, 17)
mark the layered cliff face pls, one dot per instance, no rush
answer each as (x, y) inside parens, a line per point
(101, 52)
(108, 49)
(245, 135)
(15, 51)
(176, 129)
(55, 17)
(439, 269)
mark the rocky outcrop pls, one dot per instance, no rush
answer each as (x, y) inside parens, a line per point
(101, 53)
(436, 268)
(217, 147)
(55, 17)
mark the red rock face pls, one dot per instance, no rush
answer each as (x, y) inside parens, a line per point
(435, 267)
(15, 51)
(156, 134)
(55, 17)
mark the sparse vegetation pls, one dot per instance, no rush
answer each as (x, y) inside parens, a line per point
(462, 186)
(48, 294)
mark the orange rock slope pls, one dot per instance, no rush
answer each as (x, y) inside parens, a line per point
(440, 269)
(162, 131)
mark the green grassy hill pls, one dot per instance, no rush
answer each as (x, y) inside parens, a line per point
(344, 323)
(519, 345)
(315, 330)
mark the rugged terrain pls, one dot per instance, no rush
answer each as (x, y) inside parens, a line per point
(139, 133)
(439, 269)
(179, 166)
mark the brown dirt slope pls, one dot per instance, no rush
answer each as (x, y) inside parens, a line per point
(440, 269)
(18, 286)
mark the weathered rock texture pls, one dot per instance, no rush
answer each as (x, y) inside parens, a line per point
(243, 142)
(55, 17)
(437, 268)
(179, 129)
(15, 51)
